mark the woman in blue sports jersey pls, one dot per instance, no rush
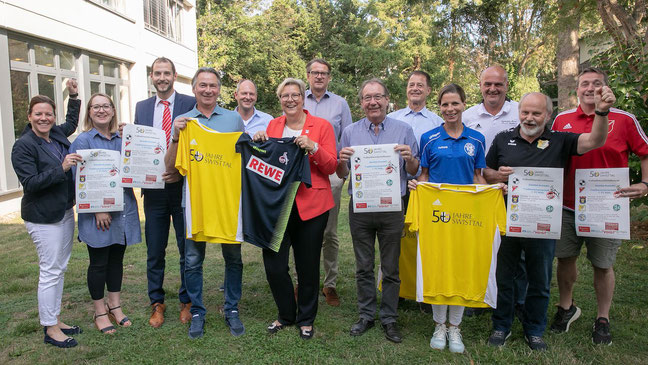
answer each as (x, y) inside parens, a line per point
(451, 153)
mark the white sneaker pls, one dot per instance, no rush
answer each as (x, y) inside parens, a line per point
(454, 340)
(438, 340)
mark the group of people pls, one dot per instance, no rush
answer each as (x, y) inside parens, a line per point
(475, 146)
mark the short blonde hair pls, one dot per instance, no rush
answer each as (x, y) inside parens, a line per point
(87, 122)
(291, 81)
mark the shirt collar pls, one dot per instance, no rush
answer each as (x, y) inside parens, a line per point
(545, 135)
(171, 99)
(424, 112)
(506, 109)
(309, 94)
(370, 126)
(94, 132)
(581, 114)
(196, 113)
(254, 113)
(445, 135)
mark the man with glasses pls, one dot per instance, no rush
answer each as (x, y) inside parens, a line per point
(377, 129)
(324, 104)
(163, 205)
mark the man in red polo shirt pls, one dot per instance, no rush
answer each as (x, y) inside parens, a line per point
(625, 135)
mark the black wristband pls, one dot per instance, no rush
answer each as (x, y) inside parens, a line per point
(74, 95)
(603, 114)
(645, 183)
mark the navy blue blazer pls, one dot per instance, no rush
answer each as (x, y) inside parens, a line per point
(48, 191)
(144, 109)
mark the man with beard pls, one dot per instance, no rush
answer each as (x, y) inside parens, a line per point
(531, 144)
(162, 205)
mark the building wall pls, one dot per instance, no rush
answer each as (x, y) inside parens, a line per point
(105, 44)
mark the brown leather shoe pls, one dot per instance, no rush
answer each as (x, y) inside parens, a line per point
(157, 317)
(185, 312)
(332, 297)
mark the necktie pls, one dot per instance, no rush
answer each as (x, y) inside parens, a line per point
(166, 120)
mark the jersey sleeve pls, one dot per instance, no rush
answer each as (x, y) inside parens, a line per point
(182, 155)
(425, 156)
(570, 143)
(411, 217)
(500, 213)
(480, 158)
(242, 141)
(637, 140)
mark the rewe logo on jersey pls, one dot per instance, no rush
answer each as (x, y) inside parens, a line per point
(270, 172)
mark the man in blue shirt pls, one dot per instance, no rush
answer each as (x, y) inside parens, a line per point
(206, 88)
(246, 97)
(416, 114)
(378, 129)
(324, 104)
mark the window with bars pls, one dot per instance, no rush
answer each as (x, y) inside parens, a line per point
(164, 17)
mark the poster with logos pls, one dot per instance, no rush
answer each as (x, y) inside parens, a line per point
(375, 178)
(142, 161)
(597, 211)
(97, 182)
(534, 202)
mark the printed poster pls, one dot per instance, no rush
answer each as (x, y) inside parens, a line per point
(142, 161)
(534, 202)
(97, 182)
(597, 211)
(375, 178)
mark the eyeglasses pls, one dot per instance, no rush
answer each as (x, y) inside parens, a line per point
(97, 107)
(286, 97)
(318, 73)
(377, 97)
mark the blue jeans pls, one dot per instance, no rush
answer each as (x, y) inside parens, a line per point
(233, 276)
(194, 257)
(539, 255)
(160, 206)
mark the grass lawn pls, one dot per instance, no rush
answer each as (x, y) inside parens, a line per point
(21, 335)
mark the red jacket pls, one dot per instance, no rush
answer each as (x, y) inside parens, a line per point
(319, 198)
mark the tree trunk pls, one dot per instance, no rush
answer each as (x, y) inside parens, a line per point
(567, 55)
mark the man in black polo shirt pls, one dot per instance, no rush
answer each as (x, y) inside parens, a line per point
(531, 144)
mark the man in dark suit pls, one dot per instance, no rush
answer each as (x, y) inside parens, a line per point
(162, 204)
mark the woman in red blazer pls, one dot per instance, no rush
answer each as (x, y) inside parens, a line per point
(309, 215)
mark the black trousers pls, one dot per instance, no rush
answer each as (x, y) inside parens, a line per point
(305, 237)
(105, 270)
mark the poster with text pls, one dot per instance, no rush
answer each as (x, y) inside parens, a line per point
(375, 178)
(534, 202)
(142, 161)
(597, 212)
(97, 182)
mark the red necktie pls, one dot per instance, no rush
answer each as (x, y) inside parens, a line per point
(166, 120)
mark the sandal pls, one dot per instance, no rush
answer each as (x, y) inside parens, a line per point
(124, 320)
(107, 330)
(274, 328)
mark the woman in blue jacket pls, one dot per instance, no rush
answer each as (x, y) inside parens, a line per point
(42, 162)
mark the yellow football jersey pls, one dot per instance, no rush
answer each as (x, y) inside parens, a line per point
(458, 235)
(212, 168)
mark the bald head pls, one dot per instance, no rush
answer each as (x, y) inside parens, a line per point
(535, 111)
(493, 84)
(246, 95)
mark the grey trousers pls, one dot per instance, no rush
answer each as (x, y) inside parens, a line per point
(387, 227)
(331, 244)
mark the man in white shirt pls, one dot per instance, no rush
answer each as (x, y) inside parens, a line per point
(495, 113)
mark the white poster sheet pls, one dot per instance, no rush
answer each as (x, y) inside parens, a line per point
(534, 202)
(142, 162)
(97, 182)
(375, 178)
(597, 212)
